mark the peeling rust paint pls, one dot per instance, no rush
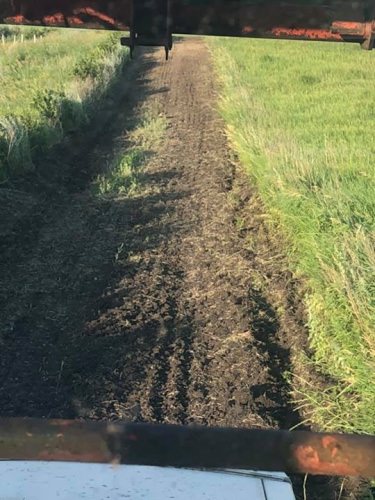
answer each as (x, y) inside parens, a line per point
(306, 34)
(310, 461)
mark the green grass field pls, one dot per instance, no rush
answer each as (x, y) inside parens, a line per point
(301, 117)
(49, 89)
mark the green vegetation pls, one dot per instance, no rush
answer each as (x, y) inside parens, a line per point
(124, 174)
(51, 88)
(9, 32)
(301, 117)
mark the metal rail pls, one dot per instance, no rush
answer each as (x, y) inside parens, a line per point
(194, 447)
(324, 20)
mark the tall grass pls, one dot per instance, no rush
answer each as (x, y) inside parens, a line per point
(302, 116)
(49, 89)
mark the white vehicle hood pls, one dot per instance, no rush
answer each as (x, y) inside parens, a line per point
(70, 481)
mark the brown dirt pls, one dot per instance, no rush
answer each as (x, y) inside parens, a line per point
(174, 305)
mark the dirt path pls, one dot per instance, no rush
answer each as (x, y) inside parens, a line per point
(170, 306)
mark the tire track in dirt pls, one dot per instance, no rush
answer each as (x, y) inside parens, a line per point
(171, 306)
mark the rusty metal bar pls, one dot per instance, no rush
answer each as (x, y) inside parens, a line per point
(179, 446)
(325, 20)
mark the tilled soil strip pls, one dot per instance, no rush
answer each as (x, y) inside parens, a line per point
(168, 306)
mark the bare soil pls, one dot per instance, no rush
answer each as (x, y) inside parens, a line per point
(175, 305)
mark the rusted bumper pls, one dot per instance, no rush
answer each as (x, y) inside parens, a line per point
(364, 31)
(179, 446)
(328, 20)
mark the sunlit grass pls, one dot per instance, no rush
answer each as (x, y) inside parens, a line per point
(302, 117)
(49, 88)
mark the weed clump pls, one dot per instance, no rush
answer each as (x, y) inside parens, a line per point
(15, 149)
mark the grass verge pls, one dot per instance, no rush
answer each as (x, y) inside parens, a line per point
(301, 117)
(51, 88)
